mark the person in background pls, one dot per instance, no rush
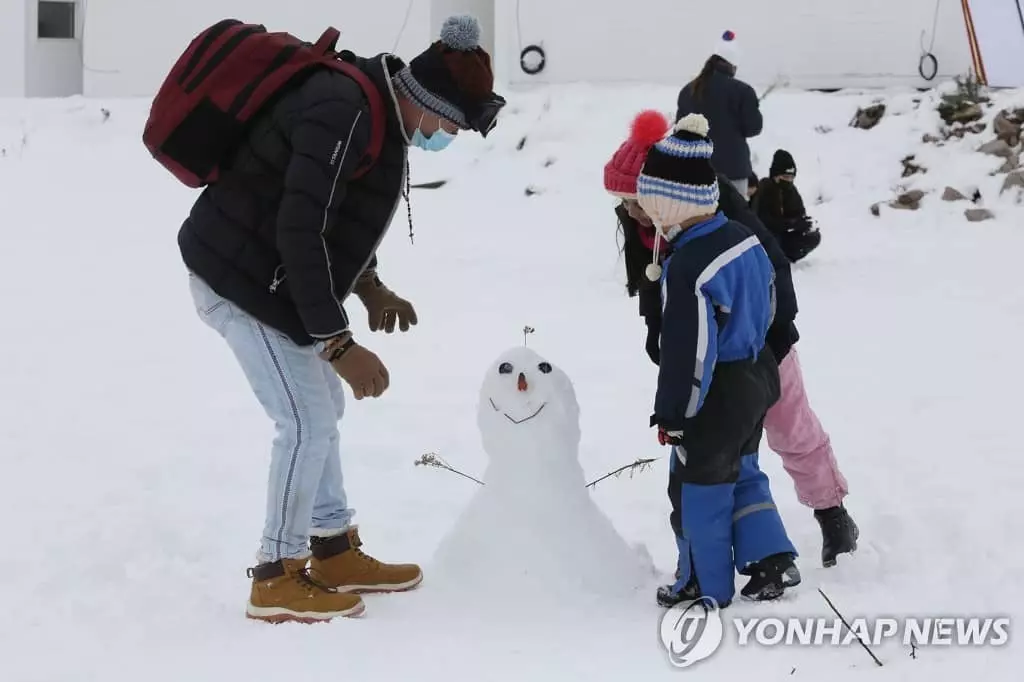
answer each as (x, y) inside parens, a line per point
(731, 108)
(275, 251)
(792, 428)
(752, 183)
(781, 208)
(716, 380)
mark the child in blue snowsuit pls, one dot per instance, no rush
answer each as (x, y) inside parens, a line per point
(717, 379)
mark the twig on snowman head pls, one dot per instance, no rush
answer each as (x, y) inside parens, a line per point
(434, 460)
(634, 467)
(527, 330)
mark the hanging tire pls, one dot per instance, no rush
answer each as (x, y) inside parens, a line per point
(528, 51)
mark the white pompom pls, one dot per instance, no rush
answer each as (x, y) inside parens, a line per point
(653, 272)
(694, 123)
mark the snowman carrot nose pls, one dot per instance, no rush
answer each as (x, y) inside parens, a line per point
(522, 382)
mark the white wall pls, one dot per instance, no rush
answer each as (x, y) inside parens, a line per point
(812, 43)
(130, 45)
(53, 68)
(12, 48)
(999, 27)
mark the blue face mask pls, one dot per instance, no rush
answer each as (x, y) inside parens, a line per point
(437, 141)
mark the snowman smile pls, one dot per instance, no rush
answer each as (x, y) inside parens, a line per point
(517, 421)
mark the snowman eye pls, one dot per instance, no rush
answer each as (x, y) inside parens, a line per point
(505, 368)
(544, 367)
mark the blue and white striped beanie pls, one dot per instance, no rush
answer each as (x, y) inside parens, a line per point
(678, 182)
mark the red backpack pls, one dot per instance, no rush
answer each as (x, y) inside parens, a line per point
(222, 80)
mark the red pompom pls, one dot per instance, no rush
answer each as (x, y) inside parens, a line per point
(648, 127)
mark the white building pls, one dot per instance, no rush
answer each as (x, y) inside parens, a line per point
(40, 48)
(123, 48)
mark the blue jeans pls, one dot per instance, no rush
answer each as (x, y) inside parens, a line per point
(305, 398)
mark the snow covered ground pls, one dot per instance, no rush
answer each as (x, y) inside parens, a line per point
(133, 457)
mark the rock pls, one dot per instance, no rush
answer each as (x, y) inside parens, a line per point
(868, 118)
(1014, 179)
(1011, 164)
(928, 138)
(953, 195)
(960, 112)
(961, 131)
(876, 209)
(1006, 129)
(911, 168)
(910, 201)
(997, 148)
(976, 215)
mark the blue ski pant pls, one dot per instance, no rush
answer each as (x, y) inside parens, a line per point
(723, 515)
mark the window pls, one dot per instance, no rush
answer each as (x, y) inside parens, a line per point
(57, 20)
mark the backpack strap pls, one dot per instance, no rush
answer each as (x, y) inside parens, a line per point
(328, 42)
(378, 119)
(325, 47)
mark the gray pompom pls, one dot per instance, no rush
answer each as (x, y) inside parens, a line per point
(461, 33)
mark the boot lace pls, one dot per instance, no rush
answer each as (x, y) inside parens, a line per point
(306, 577)
(366, 557)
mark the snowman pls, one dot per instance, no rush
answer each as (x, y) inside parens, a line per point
(533, 529)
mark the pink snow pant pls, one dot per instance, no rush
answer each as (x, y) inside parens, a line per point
(795, 433)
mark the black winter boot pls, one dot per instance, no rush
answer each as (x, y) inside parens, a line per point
(668, 598)
(770, 577)
(838, 533)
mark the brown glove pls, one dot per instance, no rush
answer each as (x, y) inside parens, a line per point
(383, 307)
(361, 369)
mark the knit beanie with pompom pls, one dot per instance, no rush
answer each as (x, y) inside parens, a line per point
(677, 182)
(622, 171)
(727, 48)
(453, 75)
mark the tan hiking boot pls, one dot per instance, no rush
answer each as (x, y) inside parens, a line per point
(339, 563)
(283, 591)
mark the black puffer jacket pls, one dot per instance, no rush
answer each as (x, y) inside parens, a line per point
(285, 233)
(783, 332)
(781, 208)
(734, 114)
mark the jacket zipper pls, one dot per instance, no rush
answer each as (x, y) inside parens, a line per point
(394, 209)
(387, 226)
(277, 279)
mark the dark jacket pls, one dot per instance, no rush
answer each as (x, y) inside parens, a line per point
(733, 114)
(783, 332)
(285, 233)
(718, 301)
(781, 208)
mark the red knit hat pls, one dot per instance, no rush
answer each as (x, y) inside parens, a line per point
(621, 172)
